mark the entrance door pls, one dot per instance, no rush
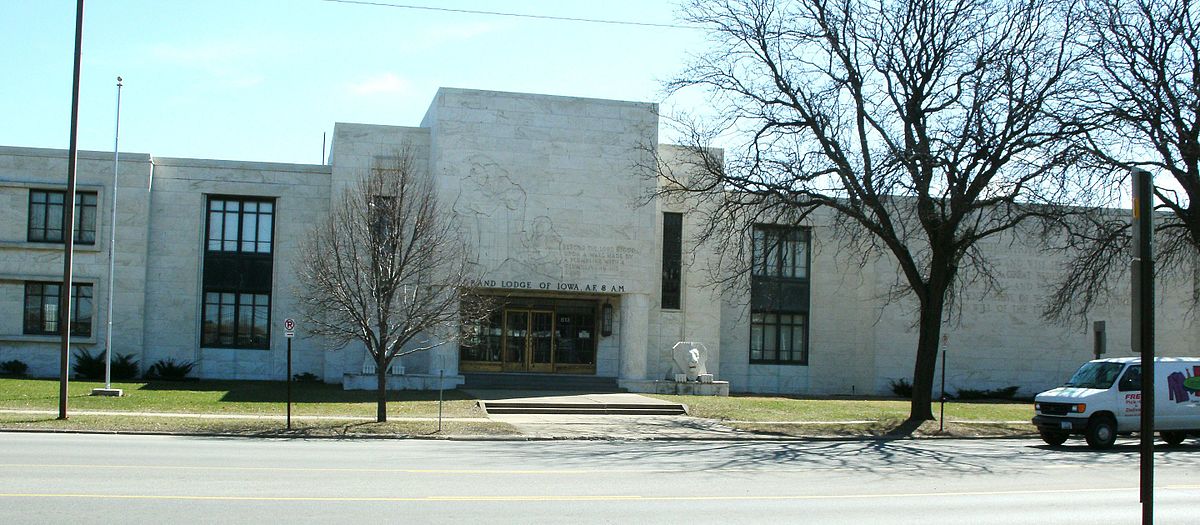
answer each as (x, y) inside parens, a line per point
(541, 342)
(528, 341)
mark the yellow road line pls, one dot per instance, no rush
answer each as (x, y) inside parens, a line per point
(613, 497)
(589, 472)
(341, 469)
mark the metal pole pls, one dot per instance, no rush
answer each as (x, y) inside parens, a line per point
(289, 383)
(112, 246)
(942, 416)
(64, 301)
(441, 381)
(1143, 314)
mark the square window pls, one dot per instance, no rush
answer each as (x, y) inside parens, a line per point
(42, 312)
(778, 338)
(46, 212)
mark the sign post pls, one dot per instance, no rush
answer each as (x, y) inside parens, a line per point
(942, 416)
(1099, 338)
(289, 331)
(1142, 279)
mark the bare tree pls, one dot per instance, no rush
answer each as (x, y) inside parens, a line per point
(1144, 62)
(387, 268)
(922, 126)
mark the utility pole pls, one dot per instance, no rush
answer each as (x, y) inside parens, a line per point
(64, 298)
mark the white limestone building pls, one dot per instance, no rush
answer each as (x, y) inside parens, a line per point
(594, 281)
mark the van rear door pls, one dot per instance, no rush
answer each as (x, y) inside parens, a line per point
(1179, 395)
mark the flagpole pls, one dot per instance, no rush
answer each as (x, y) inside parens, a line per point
(108, 390)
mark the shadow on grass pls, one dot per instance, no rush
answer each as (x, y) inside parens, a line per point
(43, 419)
(302, 392)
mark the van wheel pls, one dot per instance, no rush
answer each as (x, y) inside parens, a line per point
(1053, 439)
(1172, 437)
(1101, 432)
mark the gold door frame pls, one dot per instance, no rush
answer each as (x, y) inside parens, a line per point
(524, 356)
(546, 366)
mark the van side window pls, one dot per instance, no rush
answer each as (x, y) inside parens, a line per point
(1132, 380)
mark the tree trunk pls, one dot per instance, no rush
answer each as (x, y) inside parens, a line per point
(932, 307)
(381, 402)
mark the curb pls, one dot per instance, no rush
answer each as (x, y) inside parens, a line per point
(405, 437)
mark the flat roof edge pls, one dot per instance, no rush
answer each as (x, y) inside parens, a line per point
(56, 153)
(183, 162)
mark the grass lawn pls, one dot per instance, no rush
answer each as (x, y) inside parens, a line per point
(765, 414)
(796, 417)
(232, 397)
(259, 398)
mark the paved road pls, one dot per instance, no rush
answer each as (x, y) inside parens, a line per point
(155, 479)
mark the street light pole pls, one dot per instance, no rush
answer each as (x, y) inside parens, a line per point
(1142, 279)
(64, 301)
(108, 390)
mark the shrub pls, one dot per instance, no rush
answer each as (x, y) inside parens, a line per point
(169, 370)
(14, 368)
(901, 387)
(87, 366)
(306, 377)
(967, 394)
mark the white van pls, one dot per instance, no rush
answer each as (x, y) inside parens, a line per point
(1103, 398)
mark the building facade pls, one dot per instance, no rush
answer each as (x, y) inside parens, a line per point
(592, 275)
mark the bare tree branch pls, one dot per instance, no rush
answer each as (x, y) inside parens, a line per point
(387, 268)
(1144, 91)
(922, 126)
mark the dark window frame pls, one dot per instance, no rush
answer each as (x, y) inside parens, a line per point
(230, 264)
(672, 261)
(795, 355)
(780, 279)
(237, 335)
(86, 207)
(36, 325)
(238, 243)
(768, 241)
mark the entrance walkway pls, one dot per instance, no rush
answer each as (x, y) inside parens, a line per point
(598, 425)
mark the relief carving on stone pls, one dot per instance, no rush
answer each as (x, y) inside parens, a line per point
(496, 208)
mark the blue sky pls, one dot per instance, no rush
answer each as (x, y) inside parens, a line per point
(262, 79)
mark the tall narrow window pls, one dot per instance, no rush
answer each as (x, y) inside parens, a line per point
(238, 272)
(672, 259)
(42, 312)
(46, 216)
(779, 290)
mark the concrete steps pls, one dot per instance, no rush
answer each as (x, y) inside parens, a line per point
(591, 408)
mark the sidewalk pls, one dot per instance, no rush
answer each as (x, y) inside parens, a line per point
(264, 417)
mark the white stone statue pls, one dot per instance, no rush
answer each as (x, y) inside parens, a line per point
(689, 359)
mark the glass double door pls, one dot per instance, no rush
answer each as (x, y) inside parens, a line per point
(528, 341)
